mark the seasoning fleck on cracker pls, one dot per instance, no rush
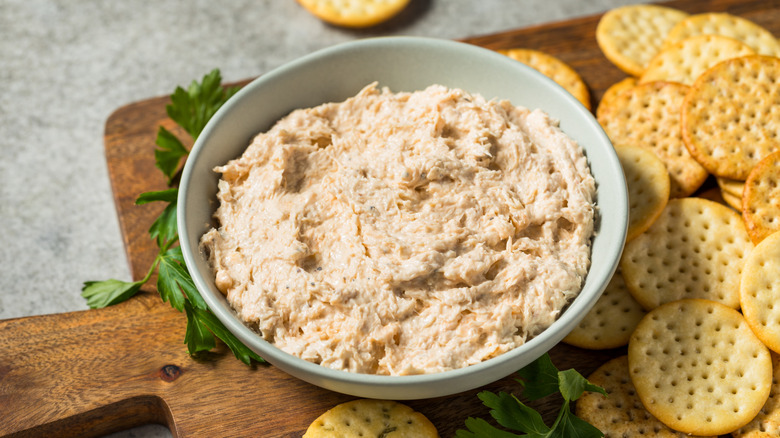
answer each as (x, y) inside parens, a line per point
(371, 418)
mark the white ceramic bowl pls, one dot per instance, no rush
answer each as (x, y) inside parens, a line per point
(402, 64)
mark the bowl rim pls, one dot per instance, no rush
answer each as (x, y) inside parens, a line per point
(324, 376)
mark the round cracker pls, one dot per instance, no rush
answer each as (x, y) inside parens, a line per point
(621, 414)
(648, 187)
(761, 198)
(731, 115)
(371, 418)
(354, 13)
(720, 23)
(647, 115)
(732, 186)
(611, 321)
(698, 367)
(767, 422)
(685, 60)
(630, 36)
(614, 90)
(553, 68)
(695, 249)
(731, 200)
(760, 291)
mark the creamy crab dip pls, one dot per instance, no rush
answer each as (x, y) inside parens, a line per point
(404, 233)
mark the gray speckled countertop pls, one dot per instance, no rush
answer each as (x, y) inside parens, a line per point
(66, 65)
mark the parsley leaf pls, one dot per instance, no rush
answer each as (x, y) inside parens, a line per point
(572, 426)
(572, 385)
(164, 228)
(169, 152)
(174, 278)
(197, 337)
(478, 427)
(109, 292)
(208, 320)
(512, 413)
(192, 108)
(540, 378)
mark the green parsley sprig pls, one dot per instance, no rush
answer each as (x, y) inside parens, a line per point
(191, 109)
(540, 379)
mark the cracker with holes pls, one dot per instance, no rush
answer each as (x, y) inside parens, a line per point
(621, 414)
(648, 187)
(611, 320)
(630, 36)
(685, 60)
(767, 422)
(698, 367)
(731, 200)
(613, 90)
(371, 418)
(719, 23)
(354, 13)
(647, 115)
(553, 68)
(760, 291)
(731, 191)
(730, 117)
(695, 249)
(761, 198)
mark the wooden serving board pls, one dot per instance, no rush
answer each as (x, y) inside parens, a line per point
(92, 372)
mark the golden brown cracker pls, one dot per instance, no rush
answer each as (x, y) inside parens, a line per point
(731, 200)
(767, 422)
(354, 13)
(611, 320)
(730, 117)
(647, 115)
(695, 249)
(553, 68)
(648, 187)
(630, 36)
(698, 367)
(761, 198)
(371, 418)
(685, 60)
(621, 413)
(760, 291)
(612, 91)
(720, 23)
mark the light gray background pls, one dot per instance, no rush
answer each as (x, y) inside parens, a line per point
(66, 65)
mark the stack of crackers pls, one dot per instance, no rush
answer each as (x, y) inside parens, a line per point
(697, 295)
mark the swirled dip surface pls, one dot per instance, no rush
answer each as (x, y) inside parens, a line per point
(404, 233)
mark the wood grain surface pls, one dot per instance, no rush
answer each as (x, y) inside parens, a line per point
(92, 372)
